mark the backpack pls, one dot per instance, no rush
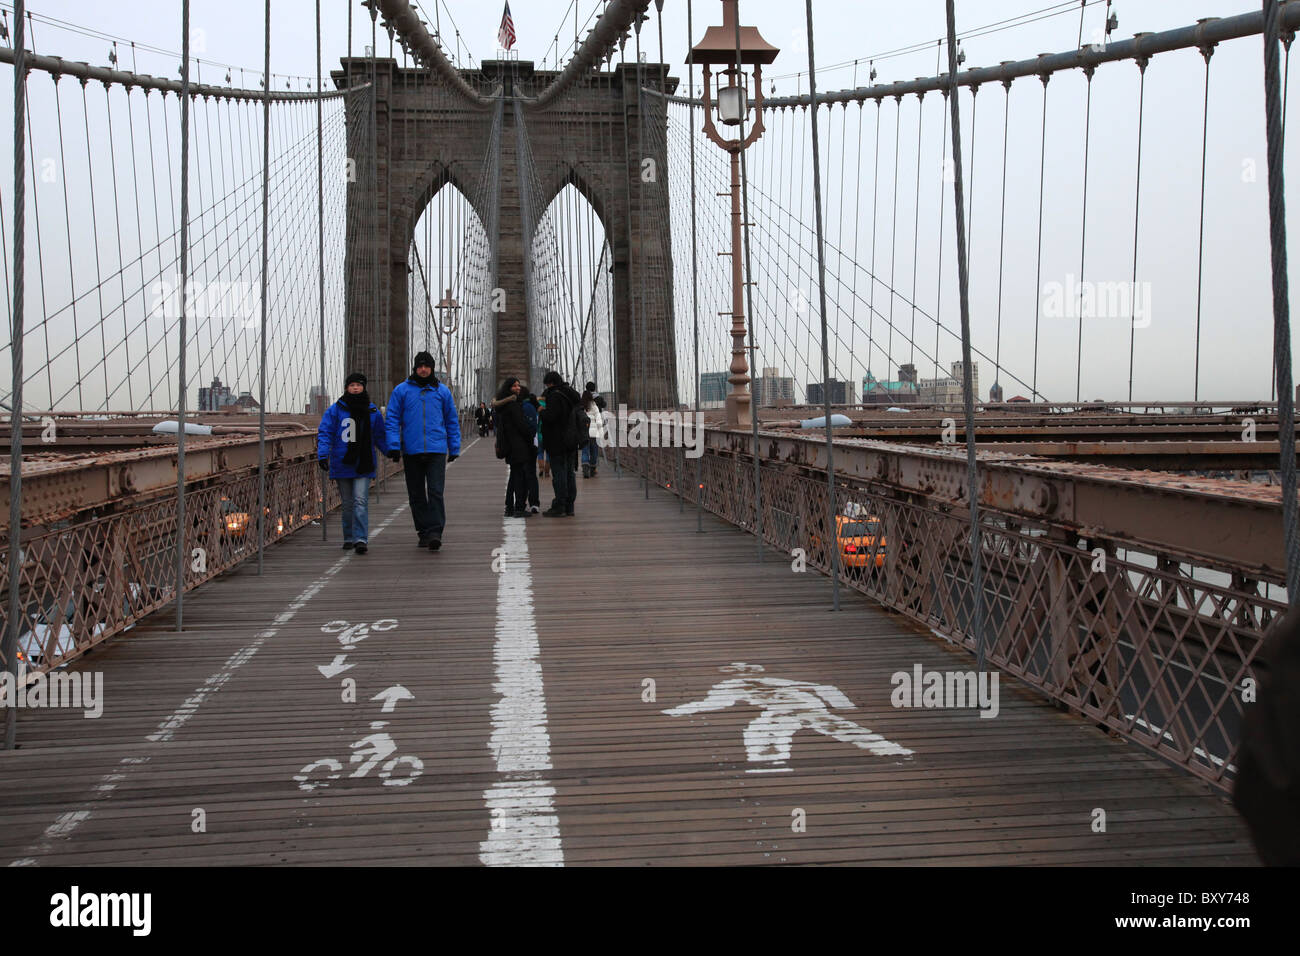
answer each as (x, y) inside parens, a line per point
(580, 423)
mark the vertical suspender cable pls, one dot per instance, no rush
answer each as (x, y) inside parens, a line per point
(938, 274)
(1002, 233)
(839, 223)
(1137, 200)
(261, 367)
(1206, 52)
(1281, 304)
(1288, 38)
(916, 221)
(871, 301)
(968, 399)
(320, 242)
(14, 621)
(832, 532)
(893, 242)
(1083, 232)
(184, 296)
(94, 232)
(974, 129)
(67, 223)
(1038, 275)
(853, 292)
(695, 273)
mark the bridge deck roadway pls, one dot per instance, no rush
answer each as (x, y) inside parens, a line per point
(561, 758)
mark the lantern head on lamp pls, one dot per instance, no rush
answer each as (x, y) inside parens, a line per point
(719, 48)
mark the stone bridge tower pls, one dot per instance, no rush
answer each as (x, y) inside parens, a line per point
(412, 134)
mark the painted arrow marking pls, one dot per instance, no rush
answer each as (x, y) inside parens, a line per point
(335, 668)
(391, 696)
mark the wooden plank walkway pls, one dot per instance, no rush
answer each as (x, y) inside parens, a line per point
(559, 756)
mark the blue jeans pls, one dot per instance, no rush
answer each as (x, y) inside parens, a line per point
(590, 452)
(425, 476)
(355, 493)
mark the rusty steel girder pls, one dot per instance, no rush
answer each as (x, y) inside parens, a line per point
(62, 490)
(1234, 525)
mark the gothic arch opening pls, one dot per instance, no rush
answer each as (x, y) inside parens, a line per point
(571, 290)
(449, 294)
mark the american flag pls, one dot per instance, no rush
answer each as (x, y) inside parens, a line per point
(506, 35)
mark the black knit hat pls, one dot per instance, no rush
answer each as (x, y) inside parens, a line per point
(355, 377)
(423, 358)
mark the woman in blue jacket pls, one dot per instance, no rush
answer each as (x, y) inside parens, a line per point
(350, 432)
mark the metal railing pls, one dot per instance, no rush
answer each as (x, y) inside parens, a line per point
(86, 580)
(1152, 644)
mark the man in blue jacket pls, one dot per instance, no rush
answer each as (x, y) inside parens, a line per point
(424, 433)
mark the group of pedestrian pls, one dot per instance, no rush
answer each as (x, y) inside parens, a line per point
(419, 427)
(553, 429)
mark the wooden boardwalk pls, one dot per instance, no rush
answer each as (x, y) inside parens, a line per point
(560, 755)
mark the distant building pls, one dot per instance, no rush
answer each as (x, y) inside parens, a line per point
(948, 390)
(901, 392)
(245, 403)
(713, 387)
(215, 397)
(839, 392)
(772, 388)
(995, 392)
(318, 400)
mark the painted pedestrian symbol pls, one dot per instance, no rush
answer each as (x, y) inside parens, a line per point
(788, 706)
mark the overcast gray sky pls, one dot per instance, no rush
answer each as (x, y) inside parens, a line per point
(1236, 318)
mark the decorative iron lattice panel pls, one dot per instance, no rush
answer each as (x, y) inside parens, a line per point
(85, 582)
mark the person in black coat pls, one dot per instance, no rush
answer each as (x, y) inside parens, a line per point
(562, 442)
(514, 440)
(1267, 790)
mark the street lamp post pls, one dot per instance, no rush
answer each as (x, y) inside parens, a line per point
(720, 48)
(448, 324)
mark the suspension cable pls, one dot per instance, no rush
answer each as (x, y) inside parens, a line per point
(1206, 51)
(1002, 235)
(1137, 202)
(1083, 231)
(1281, 304)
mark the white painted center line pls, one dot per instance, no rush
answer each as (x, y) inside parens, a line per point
(525, 830)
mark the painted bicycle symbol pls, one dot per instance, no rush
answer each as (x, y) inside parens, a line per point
(352, 634)
(367, 754)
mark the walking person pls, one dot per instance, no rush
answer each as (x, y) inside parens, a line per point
(424, 434)
(350, 432)
(534, 428)
(592, 404)
(481, 416)
(561, 437)
(514, 443)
